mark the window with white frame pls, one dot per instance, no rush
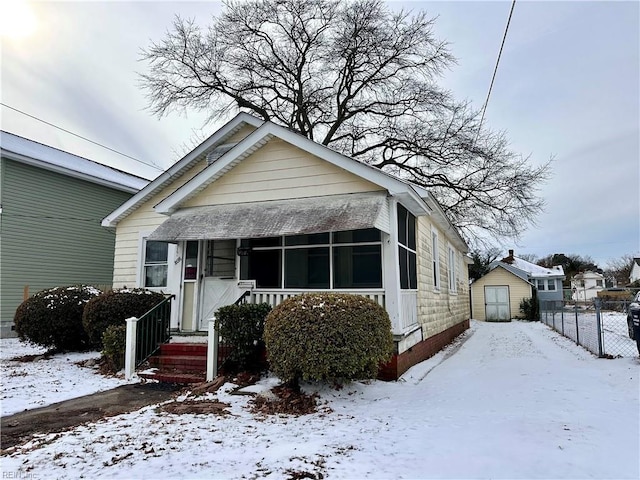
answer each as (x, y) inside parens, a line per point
(452, 270)
(541, 284)
(435, 259)
(407, 249)
(156, 264)
(551, 284)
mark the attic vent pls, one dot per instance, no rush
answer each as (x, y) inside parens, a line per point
(219, 151)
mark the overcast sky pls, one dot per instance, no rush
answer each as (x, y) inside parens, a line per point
(568, 87)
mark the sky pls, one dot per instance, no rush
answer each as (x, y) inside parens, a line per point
(567, 88)
(505, 400)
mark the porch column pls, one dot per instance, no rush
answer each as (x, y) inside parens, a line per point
(212, 350)
(391, 268)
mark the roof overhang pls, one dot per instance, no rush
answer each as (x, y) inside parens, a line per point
(332, 213)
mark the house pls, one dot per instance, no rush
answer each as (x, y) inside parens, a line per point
(586, 285)
(497, 295)
(51, 205)
(634, 275)
(258, 208)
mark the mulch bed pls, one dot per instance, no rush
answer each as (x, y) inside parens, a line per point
(288, 401)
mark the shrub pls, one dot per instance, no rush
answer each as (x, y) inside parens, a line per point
(114, 340)
(53, 318)
(530, 309)
(327, 336)
(242, 327)
(113, 308)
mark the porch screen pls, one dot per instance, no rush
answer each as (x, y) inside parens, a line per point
(407, 249)
(342, 260)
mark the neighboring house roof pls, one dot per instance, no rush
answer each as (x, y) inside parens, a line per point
(223, 157)
(27, 151)
(588, 275)
(511, 269)
(532, 270)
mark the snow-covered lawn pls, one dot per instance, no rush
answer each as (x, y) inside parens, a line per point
(515, 401)
(27, 385)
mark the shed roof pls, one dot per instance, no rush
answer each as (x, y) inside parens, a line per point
(29, 152)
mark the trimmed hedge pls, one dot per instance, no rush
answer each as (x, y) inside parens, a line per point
(329, 337)
(53, 318)
(114, 340)
(242, 327)
(113, 308)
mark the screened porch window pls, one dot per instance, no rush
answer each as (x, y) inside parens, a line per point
(155, 263)
(350, 259)
(407, 249)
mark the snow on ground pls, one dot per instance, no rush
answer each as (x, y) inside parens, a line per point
(27, 385)
(516, 400)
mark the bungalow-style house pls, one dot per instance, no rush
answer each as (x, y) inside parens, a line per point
(586, 285)
(51, 205)
(258, 208)
(497, 295)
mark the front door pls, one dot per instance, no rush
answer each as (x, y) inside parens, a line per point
(497, 303)
(219, 286)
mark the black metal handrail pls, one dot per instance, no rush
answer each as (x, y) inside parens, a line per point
(242, 298)
(153, 330)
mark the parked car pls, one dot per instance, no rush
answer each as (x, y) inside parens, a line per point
(633, 320)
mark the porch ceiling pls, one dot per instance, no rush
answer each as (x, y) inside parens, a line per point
(330, 213)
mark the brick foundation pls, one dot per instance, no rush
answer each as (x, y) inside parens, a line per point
(419, 352)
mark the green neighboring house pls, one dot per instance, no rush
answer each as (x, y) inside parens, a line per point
(51, 206)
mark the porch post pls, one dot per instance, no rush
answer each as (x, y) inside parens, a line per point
(212, 350)
(130, 348)
(391, 273)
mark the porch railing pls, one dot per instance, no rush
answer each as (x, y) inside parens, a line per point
(276, 297)
(146, 334)
(408, 308)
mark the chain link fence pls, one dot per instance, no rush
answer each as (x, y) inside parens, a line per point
(599, 326)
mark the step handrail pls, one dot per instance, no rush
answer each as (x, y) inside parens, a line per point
(153, 330)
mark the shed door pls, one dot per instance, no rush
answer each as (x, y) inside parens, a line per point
(497, 303)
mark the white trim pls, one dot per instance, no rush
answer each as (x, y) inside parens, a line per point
(180, 167)
(411, 200)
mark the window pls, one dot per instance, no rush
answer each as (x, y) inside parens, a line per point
(435, 260)
(452, 271)
(221, 259)
(155, 263)
(551, 285)
(407, 249)
(540, 284)
(349, 259)
(598, 283)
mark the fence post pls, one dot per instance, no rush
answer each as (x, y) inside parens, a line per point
(130, 348)
(575, 307)
(212, 350)
(599, 327)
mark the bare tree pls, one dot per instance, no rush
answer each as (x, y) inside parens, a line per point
(481, 261)
(619, 269)
(361, 79)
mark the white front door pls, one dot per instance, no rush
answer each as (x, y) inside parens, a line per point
(497, 303)
(219, 285)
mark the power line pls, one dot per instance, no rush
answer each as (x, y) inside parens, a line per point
(495, 70)
(80, 136)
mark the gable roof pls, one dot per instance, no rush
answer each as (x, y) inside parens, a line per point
(180, 167)
(531, 270)
(29, 152)
(224, 157)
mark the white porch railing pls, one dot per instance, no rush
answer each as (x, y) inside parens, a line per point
(276, 297)
(408, 308)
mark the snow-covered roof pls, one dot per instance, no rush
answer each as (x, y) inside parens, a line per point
(515, 264)
(27, 151)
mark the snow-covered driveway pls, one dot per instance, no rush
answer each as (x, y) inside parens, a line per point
(515, 401)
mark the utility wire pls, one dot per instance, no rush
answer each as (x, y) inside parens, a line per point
(83, 138)
(495, 70)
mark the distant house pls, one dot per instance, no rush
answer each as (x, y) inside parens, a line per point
(586, 285)
(497, 295)
(259, 208)
(634, 275)
(52, 203)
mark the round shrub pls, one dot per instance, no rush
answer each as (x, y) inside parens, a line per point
(114, 307)
(53, 318)
(242, 327)
(327, 336)
(114, 341)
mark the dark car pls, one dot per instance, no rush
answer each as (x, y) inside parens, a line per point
(633, 320)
